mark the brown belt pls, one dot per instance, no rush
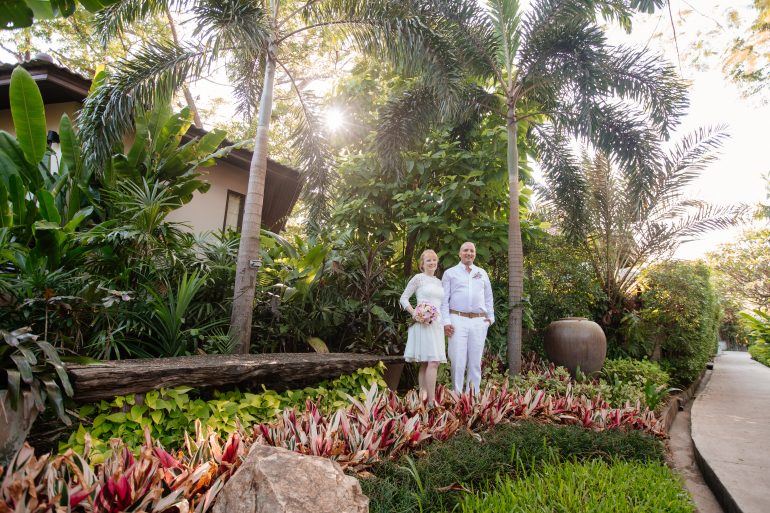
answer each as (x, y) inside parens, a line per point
(468, 315)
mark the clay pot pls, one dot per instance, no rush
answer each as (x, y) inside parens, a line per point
(576, 342)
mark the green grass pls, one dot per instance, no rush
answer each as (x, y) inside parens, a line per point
(594, 486)
(430, 482)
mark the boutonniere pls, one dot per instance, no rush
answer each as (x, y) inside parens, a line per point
(477, 275)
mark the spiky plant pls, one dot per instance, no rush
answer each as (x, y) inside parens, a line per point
(595, 201)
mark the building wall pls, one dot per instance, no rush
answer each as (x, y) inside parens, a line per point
(205, 212)
(53, 113)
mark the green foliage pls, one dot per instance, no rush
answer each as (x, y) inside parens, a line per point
(758, 325)
(617, 392)
(741, 270)
(680, 317)
(639, 372)
(559, 282)
(15, 14)
(89, 258)
(596, 486)
(32, 365)
(436, 480)
(170, 413)
(340, 292)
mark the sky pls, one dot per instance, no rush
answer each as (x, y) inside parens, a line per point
(737, 177)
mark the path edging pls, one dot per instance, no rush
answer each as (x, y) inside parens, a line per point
(717, 487)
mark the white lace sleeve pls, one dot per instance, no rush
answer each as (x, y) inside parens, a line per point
(410, 289)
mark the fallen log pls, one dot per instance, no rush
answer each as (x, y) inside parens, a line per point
(277, 371)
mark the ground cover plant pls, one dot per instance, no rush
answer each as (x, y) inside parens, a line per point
(170, 414)
(382, 426)
(437, 479)
(596, 486)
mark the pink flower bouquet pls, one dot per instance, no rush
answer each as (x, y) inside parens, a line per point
(425, 313)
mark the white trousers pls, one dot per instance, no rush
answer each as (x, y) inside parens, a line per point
(465, 349)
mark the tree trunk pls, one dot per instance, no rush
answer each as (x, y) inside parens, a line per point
(411, 243)
(248, 251)
(515, 249)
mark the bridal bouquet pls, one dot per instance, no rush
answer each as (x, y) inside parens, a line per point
(425, 313)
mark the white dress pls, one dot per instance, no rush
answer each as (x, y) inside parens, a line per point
(425, 342)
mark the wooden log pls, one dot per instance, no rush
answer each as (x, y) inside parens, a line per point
(276, 371)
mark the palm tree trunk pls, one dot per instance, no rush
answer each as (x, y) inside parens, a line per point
(515, 249)
(248, 250)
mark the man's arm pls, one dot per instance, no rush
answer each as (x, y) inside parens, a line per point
(489, 301)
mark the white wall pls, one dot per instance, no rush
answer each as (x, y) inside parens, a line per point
(206, 212)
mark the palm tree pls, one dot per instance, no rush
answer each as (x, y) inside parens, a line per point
(598, 211)
(249, 35)
(549, 71)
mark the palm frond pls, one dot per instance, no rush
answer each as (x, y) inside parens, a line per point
(232, 25)
(144, 80)
(649, 80)
(403, 120)
(314, 157)
(505, 19)
(621, 132)
(567, 188)
(113, 20)
(409, 35)
(247, 73)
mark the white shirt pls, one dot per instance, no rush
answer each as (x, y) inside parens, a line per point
(469, 292)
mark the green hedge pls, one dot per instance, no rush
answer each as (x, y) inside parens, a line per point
(596, 486)
(680, 315)
(760, 351)
(431, 482)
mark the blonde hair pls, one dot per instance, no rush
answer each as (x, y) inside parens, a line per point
(422, 258)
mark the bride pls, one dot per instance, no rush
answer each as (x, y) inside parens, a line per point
(425, 343)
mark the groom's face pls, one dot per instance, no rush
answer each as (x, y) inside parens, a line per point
(467, 253)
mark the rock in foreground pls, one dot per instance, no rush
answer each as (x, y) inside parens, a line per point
(275, 480)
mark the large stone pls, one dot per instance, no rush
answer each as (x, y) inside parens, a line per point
(275, 480)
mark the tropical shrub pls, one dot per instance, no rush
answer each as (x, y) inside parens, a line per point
(596, 486)
(757, 323)
(169, 414)
(32, 365)
(680, 318)
(88, 254)
(639, 372)
(438, 478)
(153, 482)
(559, 282)
(385, 425)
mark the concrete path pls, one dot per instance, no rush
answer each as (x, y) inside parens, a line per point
(682, 458)
(731, 433)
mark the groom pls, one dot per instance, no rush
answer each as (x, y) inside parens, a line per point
(467, 311)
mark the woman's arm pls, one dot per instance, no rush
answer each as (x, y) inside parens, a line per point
(410, 289)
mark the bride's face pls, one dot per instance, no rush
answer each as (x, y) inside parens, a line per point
(429, 263)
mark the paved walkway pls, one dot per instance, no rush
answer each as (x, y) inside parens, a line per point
(682, 457)
(731, 433)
